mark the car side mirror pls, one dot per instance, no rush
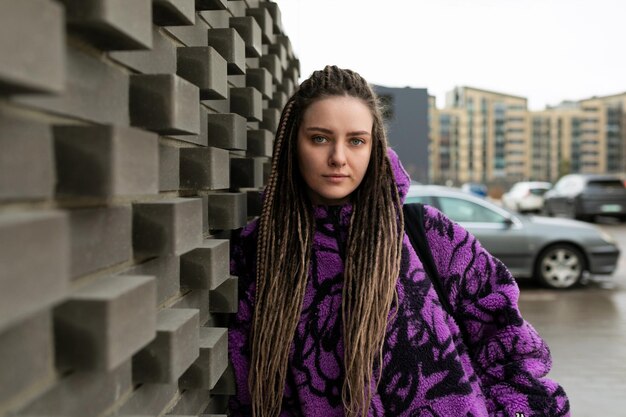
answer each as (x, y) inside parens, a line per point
(508, 222)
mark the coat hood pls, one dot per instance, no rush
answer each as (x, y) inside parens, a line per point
(403, 181)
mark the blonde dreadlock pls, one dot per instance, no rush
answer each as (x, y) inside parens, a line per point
(284, 247)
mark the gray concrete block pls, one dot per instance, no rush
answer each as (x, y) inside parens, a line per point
(217, 106)
(267, 169)
(34, 263)
(253, 62)
(226, 384)
(278, 101)
(227, 210)
(293, 75)
(169, 168)
(288, 87)
(212, 362)
(224, 299)
(227, 131)
(173, 12)
(207, 266)
(100, 237)
(294, 63)
(271, 119)
(246, 172)
(237, 7)
(33, 60)
(195, 35)
(247, 102)
(255, 202)
(160, 59)
(190, 404)
(149, 400)
(237, 80)
(202, 138)
(87, 78)
(27, 169)
(166, 270)
(204, 169)
(103, 323)
(217, 407)
(205, 214)
(167, 227)
(197, 299)
(276, 15)
(110, 25)
(26, 356)
(250, 32)
(261, 79)
(273, 65)
(260, 142)
(211, 5)
(83, 394)
(216, 19)
(105, 161)
(264, 19)
(231, 46)
(172, 351)
(206, 68)
(280, 51)
(166, 104)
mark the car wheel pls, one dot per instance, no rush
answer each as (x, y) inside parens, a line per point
(560, 266)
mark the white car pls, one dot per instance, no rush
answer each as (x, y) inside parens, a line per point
(526, 196)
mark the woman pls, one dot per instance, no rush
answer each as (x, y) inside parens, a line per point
(336, 316)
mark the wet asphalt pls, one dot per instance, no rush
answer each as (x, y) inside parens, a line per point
(586, 331)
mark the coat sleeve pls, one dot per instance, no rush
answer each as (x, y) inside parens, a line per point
(242, 265)
(510, 358)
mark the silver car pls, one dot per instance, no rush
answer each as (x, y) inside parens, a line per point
(557, 252)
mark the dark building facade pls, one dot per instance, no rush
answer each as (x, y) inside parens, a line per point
(406, 119)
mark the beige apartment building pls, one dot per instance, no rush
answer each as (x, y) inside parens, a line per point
(491, 137)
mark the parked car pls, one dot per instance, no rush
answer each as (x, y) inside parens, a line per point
(557, 252)
(584, 196)
(526, 196)
(475, 188)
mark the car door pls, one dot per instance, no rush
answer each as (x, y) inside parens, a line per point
(565, 191)
(501, 233)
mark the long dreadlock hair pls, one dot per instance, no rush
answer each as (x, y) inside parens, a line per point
(284, 248)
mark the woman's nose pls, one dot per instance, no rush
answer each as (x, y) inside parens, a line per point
(337, 156)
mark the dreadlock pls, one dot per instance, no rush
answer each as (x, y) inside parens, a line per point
(284, 247)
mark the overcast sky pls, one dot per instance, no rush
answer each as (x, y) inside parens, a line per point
(545, 50)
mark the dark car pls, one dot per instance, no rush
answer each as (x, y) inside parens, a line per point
(557, 252)
(584, 196)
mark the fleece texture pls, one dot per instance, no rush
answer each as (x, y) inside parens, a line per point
(428, 369)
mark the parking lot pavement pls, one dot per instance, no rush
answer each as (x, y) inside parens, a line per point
(586, 331)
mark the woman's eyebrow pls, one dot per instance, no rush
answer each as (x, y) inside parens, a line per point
(330, 132)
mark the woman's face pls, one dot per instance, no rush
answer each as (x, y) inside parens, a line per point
(334, 147)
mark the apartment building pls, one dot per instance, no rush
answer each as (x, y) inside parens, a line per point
(492, 137)
(482, 134)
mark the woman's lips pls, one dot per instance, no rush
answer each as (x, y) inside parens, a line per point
(335, 178)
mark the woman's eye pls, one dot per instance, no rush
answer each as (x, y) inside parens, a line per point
(356, 141)
(319, 139)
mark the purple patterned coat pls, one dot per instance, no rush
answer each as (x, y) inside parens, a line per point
(428, 370)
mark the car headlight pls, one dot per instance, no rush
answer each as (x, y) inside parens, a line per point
(607, 237)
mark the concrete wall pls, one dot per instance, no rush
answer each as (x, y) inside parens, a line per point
(407, 129)
(134, 136)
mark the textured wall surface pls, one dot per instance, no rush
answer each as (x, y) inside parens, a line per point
(134, 136)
